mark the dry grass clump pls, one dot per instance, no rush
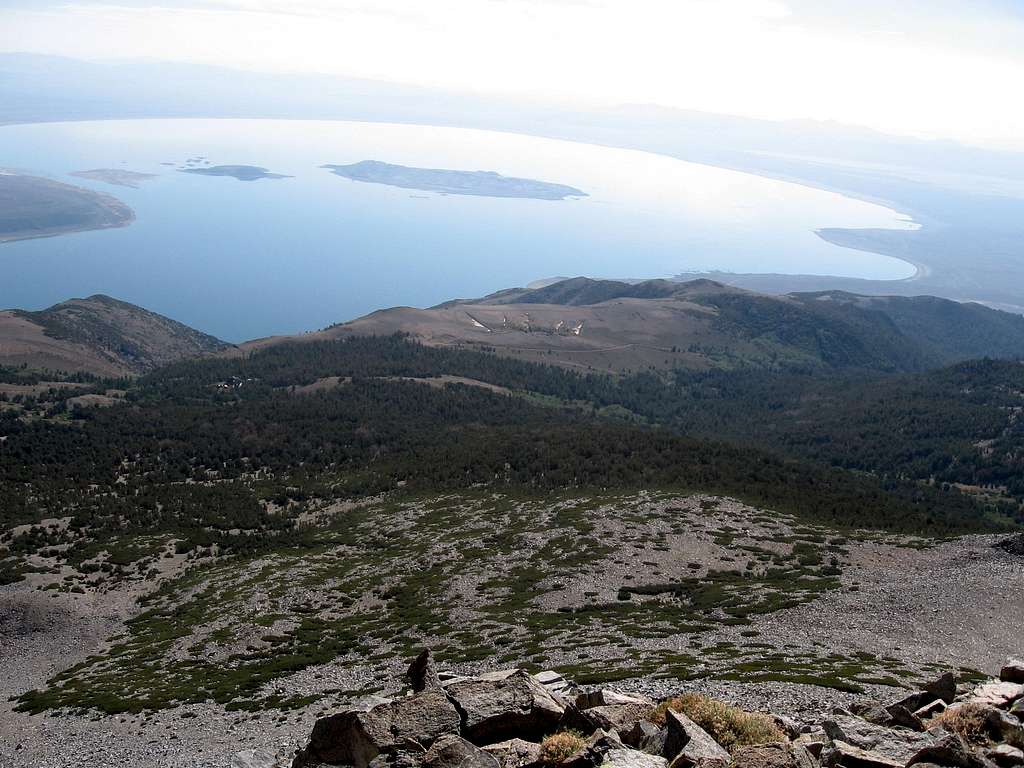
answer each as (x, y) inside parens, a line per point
(729, 726)
(560, 746)
(969, 720)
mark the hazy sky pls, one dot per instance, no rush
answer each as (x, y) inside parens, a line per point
(937, 68)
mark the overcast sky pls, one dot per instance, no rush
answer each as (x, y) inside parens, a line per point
(935, 68)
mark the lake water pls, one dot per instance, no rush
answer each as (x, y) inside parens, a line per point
(242, 259)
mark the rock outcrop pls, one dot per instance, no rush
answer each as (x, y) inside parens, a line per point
(502, 719)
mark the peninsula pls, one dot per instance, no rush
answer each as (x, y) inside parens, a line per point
(32, 207)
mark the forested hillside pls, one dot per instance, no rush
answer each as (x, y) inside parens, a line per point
(225, 451)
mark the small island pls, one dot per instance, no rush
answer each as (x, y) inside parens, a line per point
(479, 183)
(240, 172)
(115, 176)
(32, 207)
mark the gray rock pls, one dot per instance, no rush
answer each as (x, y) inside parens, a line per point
(896, 744)
(1006, 756)
(944, 687)
(1018, 709)
(515, 753)
(641, 734)
(687, 744)
(901, 716)
(843, 755)
(893, 714)
(422, 672)
(915, 701)
(928, 711)
(624, 757)
(950, 750)
(777, 755)
(620, 718)
(496, 708)
(997, 693)
(355, 738)
(455, 752)
(1012, 671)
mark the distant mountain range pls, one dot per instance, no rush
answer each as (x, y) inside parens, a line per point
(577, 323)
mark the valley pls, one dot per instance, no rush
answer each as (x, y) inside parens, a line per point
(204, 548)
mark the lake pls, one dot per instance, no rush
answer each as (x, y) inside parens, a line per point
(243, 259)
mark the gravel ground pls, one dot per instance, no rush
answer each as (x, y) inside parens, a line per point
(956, 604)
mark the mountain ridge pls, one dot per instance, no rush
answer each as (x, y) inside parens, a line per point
(99, 335)
(618, 326)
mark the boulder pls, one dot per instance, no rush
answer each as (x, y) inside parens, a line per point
(422, 672)
(901, 716)
(623, 757)
(620, 718)
(843, 755)
(928, 711)
(687, 744)
(1012, 671)
(949, 750)
(914, 701)
(894, 714)
(553, 681)
(1018, 709)
(777, 755)
(515, 753)
(997, 693)
(944, 687)
(453, 751)
(1006, 756)
(641, 735)
(496, 708)
(895, 744)
(357, 737)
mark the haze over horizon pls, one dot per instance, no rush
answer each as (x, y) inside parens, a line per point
(943, 70)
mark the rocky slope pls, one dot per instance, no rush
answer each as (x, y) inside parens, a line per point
(512, 719)
(98, 335)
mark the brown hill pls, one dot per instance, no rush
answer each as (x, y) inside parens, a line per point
(614, 326)
(98, 335)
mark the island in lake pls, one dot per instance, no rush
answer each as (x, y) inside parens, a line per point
(480, 183)
(240, 172)
(35, 207)
(115, 176)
